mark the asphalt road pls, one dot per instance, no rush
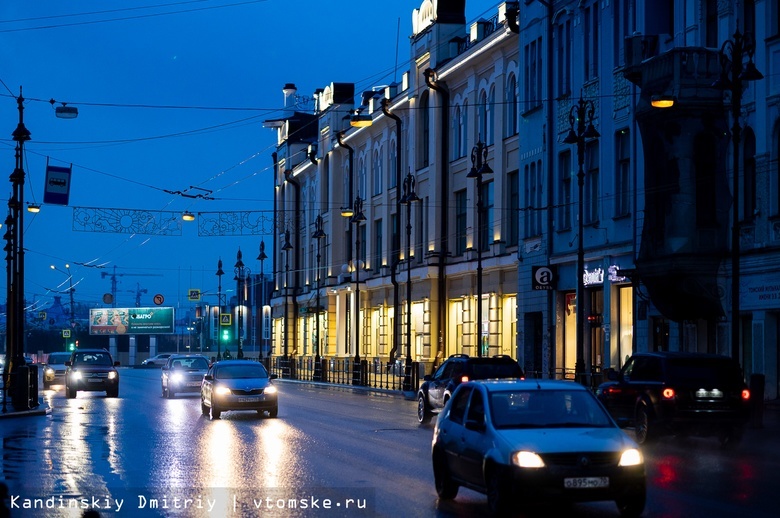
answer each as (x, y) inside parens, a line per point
(351, 448)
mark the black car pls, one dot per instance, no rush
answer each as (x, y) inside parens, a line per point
(92, 370)
(183, 373)
(678, 392)
(437, 388)
(238, 385)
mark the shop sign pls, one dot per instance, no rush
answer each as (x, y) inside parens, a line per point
(544, 278)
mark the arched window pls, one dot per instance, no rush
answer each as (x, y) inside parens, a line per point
(510, 105)
(392, 170)
(362, 177)
(482, 117)
(376, 167)
(491, 117)
(456, 134)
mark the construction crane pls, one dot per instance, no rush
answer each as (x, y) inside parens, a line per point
(138, 291)
(114, 276)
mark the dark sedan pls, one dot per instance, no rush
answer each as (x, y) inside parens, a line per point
(91, 370)
(238, 385)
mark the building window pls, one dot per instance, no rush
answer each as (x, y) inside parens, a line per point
(513, 202)
(487, 215)
(622, 175)
(377, 261)
(376, 166)
(460, 222)
(533, 199)
(395, 237)
(563, 44)
(491, 117)
(564, 190)
(362, 177)
(621, 29)
(456, 134)
(510, 105)
(750, 200)
(591, 41)
(392, 171)
(424, 132)
(464, 124)
(347, 186)
(482, 118)
(711, 38)
(533, 74)
(591, 207)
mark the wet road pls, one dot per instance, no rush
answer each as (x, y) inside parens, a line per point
(365, 454)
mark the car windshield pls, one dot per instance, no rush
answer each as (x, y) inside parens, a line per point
(92, 359)
(241, 371)
(546, 409)
(190, 363)
(58, 359)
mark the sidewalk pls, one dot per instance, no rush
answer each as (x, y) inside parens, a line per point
(10, 411)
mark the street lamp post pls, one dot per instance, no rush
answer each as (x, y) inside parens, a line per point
(581, 117)
(357, 218)
(732, 77)
(242, 271)
(319, 235)
(262, 257)
(409, 197)
(479, 167)
(220, 273)
(286, 247)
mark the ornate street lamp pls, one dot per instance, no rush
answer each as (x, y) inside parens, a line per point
(319, 235)
(479, 167)
(357, 218)
(241, 272)
(286, 247)
(581, 130)
(732, 77)
(262, 257)
(409, 197)
(219, 274)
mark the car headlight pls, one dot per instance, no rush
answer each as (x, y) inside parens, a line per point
(527, 459)
(270, 389)
(177, 377)
(49, 370)
(222, 390)
(632, 457)
(112, 375)
(75, 375)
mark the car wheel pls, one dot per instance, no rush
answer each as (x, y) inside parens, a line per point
(46, 385)
(446, 488)
(203, 408)
(113, 393)
(497, 493)
(423, 412)
(273, 412)
(70, 392)
(631, 505)
(163, 391)
(169, 393)
(643, 429)
(214, 412)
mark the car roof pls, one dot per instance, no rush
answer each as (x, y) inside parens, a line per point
(683, 354)
(237, 362)
(499, 385)
(188, 356)
(93, 350)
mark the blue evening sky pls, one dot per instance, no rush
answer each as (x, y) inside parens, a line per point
(171, 94)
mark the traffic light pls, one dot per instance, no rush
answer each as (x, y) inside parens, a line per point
(71, 346)
(226, 335)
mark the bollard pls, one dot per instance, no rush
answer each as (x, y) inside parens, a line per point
(757, 383)
(20, 397)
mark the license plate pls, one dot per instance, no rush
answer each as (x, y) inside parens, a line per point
(193, 384)
(248, 399)
(94, 380)
(585, 482)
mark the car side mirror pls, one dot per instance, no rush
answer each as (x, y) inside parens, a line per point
(475, 425)
(164, 367)
(274, 376)
(428, 377)
(68, 363)
(208, 377)
(116, 364)
(613, 375)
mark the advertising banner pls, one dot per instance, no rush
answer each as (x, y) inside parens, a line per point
(131, 321)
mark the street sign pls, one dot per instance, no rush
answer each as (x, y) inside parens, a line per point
(159, 299)
(225, 319)
(66, 333)
(42, 315)
(57, 189)
(193, 295)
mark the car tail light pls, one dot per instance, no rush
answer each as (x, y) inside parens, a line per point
(745, 394)
(464, 379)
(668, 393)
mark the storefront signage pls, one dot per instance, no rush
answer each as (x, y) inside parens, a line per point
(596, 277)
(131, 321)
(544, 278)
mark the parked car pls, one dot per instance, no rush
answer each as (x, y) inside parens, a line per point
(437, 388)
(91, 370)
(238, 385)
(678, 392)
(159, 360)
(183, 373)
(54, 369)
(529, 442)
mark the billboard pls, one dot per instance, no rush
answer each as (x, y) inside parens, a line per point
(131, 321)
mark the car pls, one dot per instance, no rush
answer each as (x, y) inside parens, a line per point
(54, 369)
(159, 360)
(238, 385)
(91, 370)
(436, 388)
(661, 393)
(183, 373)
(535, 442)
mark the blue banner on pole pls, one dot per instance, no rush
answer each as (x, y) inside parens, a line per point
(57, 189)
